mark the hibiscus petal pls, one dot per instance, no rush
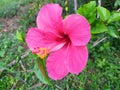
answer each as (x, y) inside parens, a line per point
(78, 29)
(77, 59)
(49, 18)
(34, 38)
(56, 64)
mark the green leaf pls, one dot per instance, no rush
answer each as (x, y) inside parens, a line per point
(88, 11)
(115, 16)
(2, 65)
(2, 53)
(40, 71)
(20, 36)
(98, 27)
(117, 3)
(112, 30)
(103, 13)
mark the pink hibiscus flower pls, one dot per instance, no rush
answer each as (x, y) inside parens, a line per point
(63, 39)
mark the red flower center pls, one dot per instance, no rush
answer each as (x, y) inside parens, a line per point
(67, 39)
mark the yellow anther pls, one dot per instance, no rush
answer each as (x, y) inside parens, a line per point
(42, 52)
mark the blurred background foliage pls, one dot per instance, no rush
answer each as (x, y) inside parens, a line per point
(17, 62)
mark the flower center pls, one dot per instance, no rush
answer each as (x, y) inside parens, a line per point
(42, 52)
(64, 38)
(67, 39)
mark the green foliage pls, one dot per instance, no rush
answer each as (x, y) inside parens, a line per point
(112, 30)
(102, 71)
(2, 65)
(89, 11)
(2, 53)
(115, 16)
(9, 8)
(98, 27)
(103, 13)
(101, 23)
(28, 19)
(109, 66)
(117, 3)
(20, 36)
(40, 71)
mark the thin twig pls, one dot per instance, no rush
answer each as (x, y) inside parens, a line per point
(22, 57)
(28, 71)
(59, 87)
(98, 41)
(11, 63)
(75, 6)
(99, 4)
(26, 54)
(118, 10)
(14, 61)
(43, 88)
(14, 85)
(22, 65)
(35, 85)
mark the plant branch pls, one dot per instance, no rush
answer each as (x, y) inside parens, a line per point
(75, 6)
(59, 87)
(22, 65)
(34, 86)
(98, 41)
(118, 10)
(99, 4)
(14, 61)
(14, 85)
